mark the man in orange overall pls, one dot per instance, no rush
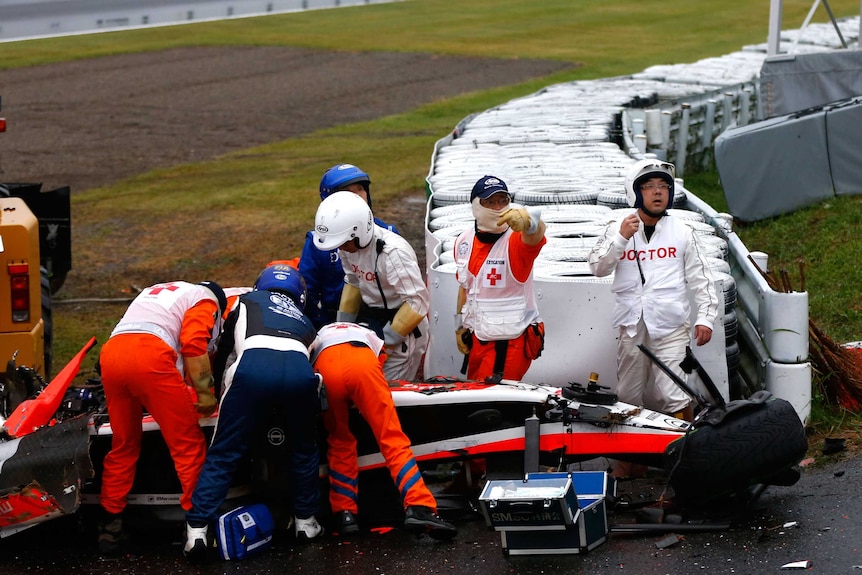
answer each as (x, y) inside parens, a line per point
(350, 359)
(497, 323)
(161, 343)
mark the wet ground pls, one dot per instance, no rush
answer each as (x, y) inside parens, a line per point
(816, 520)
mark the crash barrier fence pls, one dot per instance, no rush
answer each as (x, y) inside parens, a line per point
(772, 327)
(683, 132)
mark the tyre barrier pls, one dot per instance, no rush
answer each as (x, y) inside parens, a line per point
(572, 231)
(718, 265)
(731, 327)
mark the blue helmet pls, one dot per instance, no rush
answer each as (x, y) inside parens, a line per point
(283, 279)
(340, 176)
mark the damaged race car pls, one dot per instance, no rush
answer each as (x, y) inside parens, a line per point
(466, 431)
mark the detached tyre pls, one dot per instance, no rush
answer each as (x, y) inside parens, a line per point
(756, 441)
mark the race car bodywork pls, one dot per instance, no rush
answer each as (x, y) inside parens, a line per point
(50, 466)
(44, 462)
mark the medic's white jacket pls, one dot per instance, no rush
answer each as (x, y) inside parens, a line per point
(671, 263)
(160, 309)
(498, 306)
(392, 259)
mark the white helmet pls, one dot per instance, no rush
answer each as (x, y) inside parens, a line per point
(341, 217)
(643, 170)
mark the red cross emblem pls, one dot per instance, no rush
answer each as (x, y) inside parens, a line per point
(170, 287)
(493, 276)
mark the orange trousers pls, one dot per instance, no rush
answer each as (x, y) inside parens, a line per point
(354, 374)
(480, 364)
(139, 370)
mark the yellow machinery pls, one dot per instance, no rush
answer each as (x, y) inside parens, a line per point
(22, 328)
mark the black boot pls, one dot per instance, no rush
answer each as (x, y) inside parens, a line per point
(421, 519)
(110, 533)
(347, 523)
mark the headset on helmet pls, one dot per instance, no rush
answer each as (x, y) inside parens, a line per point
(283, 279)
(339, 177)
(342, 217)
(218, 293)
(643, 170)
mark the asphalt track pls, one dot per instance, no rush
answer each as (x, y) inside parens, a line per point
(816, 520)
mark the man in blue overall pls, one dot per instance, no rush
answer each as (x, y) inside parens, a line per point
(270, 337)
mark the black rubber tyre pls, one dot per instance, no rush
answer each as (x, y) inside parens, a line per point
(733, 358)
(730, 293)
(612, 199)
(745, 449)
(731, 327)
(562, 197)
(48, 321)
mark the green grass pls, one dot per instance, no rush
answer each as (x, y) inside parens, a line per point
(604, 38)
(609, 38)
(815, 247)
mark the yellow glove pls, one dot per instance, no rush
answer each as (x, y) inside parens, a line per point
(463, 336)
(516, 218)
(199, 372)
(404, 322)
(525, 220)
(348, 307)
(207, 403)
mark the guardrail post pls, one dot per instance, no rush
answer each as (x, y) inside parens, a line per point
(744, 104)
(665, 127)
(638, 135)
(708, 125)
(682, 139)
(727, 115)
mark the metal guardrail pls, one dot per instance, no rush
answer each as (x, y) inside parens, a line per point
(683, 132)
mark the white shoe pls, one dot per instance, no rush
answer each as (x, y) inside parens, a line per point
(196, 542)
(308, 528)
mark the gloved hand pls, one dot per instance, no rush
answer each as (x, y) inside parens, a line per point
(403, 323)
(207, 403)
(343, 316)
(463, 337)
(348, 307)
(199, 373)
(516, 218)
(522, 219)
(392, 338)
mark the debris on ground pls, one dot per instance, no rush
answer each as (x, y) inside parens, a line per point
(668, 541)
(834, 445)
(805, 564)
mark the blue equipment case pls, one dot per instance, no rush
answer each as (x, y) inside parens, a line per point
(244, 531)
(548, 513)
